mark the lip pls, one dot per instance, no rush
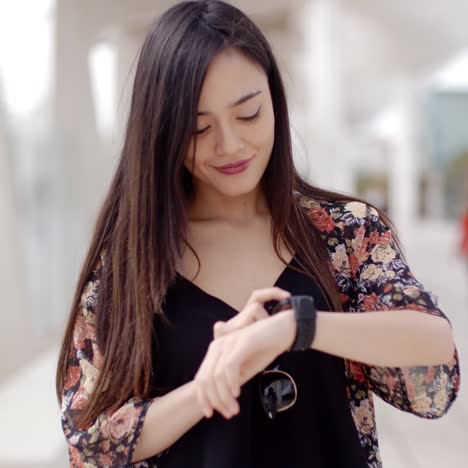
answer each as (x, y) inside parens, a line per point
(234, 168)
(237, 164)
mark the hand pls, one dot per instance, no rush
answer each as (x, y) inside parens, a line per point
(235, 358)
(252, 311)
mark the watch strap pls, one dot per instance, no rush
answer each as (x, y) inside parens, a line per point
(305, 313)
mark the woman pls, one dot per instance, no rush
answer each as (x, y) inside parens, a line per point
(170, 358)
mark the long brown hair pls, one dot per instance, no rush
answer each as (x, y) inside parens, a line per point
(142, 224)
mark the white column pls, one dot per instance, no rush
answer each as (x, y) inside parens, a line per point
(15, 330)
(404, 160)
(81, 166)
(329, 156)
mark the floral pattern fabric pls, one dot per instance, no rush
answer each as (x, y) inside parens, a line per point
(111, 439)
(371, 276)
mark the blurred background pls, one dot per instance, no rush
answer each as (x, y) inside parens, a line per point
(378, 94)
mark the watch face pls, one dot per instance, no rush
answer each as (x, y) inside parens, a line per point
(284, 304)
(269, 306)
(302, 303)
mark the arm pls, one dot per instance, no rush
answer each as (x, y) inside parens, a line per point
(423, 381)
(167, 420)
(137, 430)
(389, 339)
(236, 357)
(370, 338)
(399, 326)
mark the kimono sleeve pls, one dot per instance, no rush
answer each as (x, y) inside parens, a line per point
(111, 438)
(385, 282)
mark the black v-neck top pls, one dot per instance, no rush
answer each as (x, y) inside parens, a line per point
(317, 432)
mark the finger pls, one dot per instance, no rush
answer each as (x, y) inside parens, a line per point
(232, 372)
(249, 314)
(261, 296)
(208, 398)
(236, 359)
(219, 329)
(252, 312)
(224, 391)
(204, 402)
(214, 387)
(211, 394)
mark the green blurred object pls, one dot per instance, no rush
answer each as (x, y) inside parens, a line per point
(448, 125)
(456, 183)
(373, 187)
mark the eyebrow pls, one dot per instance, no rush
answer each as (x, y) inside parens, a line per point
(238, 102)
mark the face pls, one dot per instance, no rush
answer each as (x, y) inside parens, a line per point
(235, 123)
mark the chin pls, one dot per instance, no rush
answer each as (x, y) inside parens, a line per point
(238, 188)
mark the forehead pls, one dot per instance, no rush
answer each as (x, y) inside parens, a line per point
(230, 76)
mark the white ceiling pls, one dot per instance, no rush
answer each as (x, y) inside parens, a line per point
(386, 41)
(380, 40)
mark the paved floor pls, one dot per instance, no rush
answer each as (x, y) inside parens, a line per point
(30, 435)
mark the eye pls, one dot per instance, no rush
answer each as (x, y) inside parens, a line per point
(203, 130)
(251, 117)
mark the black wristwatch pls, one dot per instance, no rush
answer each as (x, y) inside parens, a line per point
(305, 313)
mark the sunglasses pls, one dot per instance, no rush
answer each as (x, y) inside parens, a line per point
(278, 392)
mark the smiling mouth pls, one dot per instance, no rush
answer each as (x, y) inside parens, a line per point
(234, 165)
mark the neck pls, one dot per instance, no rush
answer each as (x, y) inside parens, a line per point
(240, 209)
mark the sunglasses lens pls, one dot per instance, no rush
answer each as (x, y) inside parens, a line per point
(277, 392)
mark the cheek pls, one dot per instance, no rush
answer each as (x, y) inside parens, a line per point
(265, 132)
(194, 162)
(190, 157)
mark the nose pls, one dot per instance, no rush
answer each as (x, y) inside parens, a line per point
(228, 141)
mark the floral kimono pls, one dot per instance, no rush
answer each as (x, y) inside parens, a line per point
(371, 276)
